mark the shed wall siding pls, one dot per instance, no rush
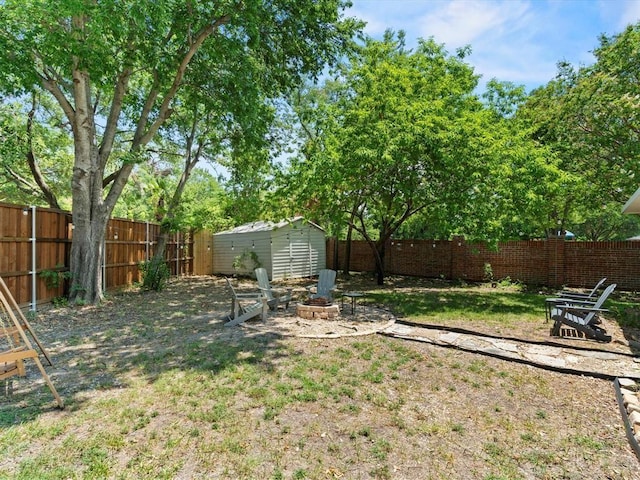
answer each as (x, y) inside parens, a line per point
(299, 252)
(318, 250)
(280, 255)
(291, 251)
(226, 247)
(300, 263)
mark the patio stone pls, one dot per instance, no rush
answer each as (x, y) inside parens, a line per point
(627, 382)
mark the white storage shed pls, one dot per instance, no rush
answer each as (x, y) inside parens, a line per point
(289, 249)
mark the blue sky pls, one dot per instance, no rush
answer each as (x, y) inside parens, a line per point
(520, 41)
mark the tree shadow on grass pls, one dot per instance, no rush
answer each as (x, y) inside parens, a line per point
(144, 336)
(157, 336)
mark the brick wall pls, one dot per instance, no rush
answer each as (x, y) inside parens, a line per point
(618, 261)
(553, 262)
(421, 258)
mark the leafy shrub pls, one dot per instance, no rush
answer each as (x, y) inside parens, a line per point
(54, 278)
(155, 274)
(248, 260)
(488, 272)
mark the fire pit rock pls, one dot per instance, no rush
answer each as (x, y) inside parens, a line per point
(324, 310)
(318, 301)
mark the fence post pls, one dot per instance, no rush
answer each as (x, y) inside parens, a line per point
(146, 243)
(177, 254)
(34, 271)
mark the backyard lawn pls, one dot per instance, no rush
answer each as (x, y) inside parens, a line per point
(156, 387)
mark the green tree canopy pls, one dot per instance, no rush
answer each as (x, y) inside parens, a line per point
(403, 135)
(115, 68)
(36, 155)
(589, 118)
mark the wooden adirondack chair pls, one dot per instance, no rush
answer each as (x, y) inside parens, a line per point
(581, 316)
(26, 326)
(245, 306)
(589, 296)
(574, 298)
(326, 285)
(275, 296)
(15, 346)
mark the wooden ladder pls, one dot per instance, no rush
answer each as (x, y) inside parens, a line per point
(15, 345)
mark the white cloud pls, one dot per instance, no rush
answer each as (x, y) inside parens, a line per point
(374, 25)
(630, 13)
(381, 15)
(461, 22)
(512, 40)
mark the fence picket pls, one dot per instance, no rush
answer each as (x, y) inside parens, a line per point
(128, 243)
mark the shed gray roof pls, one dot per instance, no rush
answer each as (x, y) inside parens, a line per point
(633, 204)
(263, 226)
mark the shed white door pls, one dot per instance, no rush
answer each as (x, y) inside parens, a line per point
(297, 254)
(300, 254)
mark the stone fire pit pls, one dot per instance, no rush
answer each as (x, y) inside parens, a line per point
(320, 308)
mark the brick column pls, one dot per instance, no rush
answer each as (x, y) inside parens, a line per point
(458, 258)
(555, 261)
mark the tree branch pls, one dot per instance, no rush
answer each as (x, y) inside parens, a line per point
(22, 183)
(51, 85)
(142, 135)
(164, 112)
(34, 166)
(114, 114)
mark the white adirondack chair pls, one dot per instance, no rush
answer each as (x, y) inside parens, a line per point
(245, 306)
(589, 296)
(275, 296)
(326, 285)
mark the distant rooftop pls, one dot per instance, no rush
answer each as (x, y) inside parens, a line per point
(263, 226)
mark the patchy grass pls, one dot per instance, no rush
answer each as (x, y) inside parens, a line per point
(156, 387)
(510, 310)
(489, 306)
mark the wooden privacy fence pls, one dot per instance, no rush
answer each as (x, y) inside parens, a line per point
(552, 262)
(36, 243)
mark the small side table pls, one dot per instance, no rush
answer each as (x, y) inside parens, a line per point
(354, 298)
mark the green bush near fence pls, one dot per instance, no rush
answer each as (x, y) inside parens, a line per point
(155, 274)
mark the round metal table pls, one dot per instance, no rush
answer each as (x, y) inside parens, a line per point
(354, 296)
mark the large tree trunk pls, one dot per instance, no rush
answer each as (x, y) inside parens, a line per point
(91, 207)
(161, 245)
(88, 224)
(379, 256)
(89, 215)
(346, 264)
(92, 201)
(87, 253)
